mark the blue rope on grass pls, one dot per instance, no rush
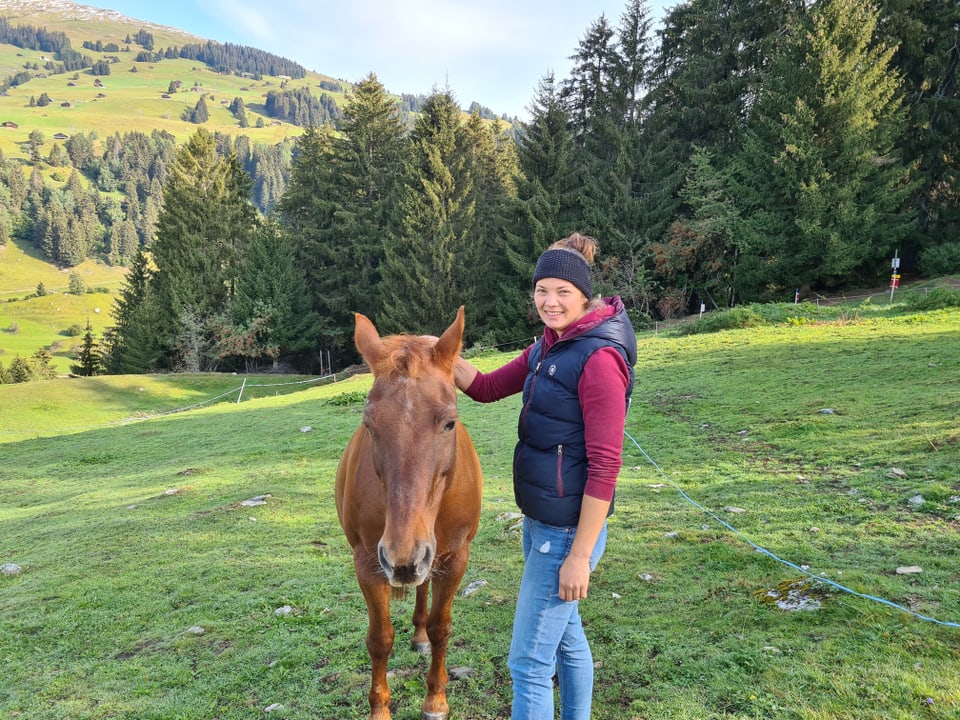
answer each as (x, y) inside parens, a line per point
(766, 552)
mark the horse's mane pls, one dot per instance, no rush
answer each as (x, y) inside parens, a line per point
(405, 355)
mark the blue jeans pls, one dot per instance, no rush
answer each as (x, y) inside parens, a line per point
(547, 633)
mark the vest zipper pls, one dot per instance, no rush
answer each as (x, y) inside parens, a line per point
(560, 470)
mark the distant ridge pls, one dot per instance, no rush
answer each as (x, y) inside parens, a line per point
(24, 11)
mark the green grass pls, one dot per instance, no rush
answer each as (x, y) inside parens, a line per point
(130, 532)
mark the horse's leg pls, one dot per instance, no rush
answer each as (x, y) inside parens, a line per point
(380, 634)
(421, 642)
(439, 629)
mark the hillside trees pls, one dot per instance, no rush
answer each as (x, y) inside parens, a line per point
(300, 107)
(819, 185)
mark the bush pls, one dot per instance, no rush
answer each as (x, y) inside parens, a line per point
(941, 260)
(353, 397)
(735, 318)
(936, 299)
(77, 285)
(73, 331)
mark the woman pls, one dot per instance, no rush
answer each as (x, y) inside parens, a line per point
(576, 382)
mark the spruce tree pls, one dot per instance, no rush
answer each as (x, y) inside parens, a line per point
(89, 362)
(272, 302)
(340, 204)
(428, 264)
(306, 212)
(205, 225)
(928, 59)
(819, 186)
(131, 345)
(491, 166)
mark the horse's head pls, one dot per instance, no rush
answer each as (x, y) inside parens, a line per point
(411, 417)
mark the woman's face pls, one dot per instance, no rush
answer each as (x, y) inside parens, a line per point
(559, 303)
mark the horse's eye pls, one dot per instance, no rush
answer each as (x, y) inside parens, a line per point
(450, 425)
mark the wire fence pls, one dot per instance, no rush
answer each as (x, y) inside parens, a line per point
(814, 577)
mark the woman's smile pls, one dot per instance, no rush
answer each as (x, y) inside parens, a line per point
(559, 303)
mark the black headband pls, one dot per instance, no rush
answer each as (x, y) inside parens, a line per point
(566, 265)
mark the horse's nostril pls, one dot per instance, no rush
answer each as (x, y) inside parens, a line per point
(384, 562)
(426, 562)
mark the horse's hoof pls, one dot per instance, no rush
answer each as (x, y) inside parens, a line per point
(434, 716)
(423, 648)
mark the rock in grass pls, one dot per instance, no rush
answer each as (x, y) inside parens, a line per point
(471, 588)
(909, 570)
(10, 569)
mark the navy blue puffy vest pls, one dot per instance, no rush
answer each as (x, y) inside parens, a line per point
(550, 460)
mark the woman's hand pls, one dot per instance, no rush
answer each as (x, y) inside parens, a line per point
(574, 577)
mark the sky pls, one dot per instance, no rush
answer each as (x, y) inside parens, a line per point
(494, 52)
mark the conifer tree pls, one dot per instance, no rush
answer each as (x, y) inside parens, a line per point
(89, 362)
(271, 311)
(819, 186)
(340, 204)
(204, 227)
(491, 169)
(200, 113)
(429, 263)
(131, 345)
(928, 59)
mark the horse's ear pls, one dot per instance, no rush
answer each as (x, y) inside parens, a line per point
(367, 340)
(448, 346)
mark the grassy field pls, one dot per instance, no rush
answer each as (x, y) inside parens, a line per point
(28, 322)
(830, 439)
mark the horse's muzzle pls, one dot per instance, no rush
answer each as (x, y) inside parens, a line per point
(407, 571)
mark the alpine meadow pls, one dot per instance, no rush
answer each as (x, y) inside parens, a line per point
(188, 227)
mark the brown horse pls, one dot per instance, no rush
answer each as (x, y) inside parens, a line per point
(408, 497)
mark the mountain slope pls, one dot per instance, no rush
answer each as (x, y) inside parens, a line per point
(135, 96)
